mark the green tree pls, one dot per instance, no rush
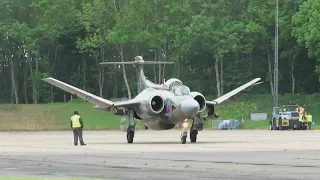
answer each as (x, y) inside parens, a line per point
(305, 28)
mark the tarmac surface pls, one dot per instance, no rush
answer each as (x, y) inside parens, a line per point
(233, 154)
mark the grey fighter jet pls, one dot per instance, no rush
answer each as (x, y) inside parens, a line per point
(157, 106)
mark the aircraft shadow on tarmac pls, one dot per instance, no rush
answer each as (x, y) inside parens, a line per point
(171, 142)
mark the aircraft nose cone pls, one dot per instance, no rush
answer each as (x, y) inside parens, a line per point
(189, 108)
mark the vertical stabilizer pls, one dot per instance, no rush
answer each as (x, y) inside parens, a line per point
(143, 82)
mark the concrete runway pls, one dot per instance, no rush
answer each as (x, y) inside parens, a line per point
(234, 154)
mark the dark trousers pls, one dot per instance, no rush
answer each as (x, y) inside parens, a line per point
(77, 133)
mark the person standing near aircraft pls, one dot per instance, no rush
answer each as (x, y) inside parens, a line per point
(77, 125)
(309, 117)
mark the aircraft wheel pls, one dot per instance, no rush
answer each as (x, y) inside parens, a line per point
(130, 136)
(193, 135)
(183, 138)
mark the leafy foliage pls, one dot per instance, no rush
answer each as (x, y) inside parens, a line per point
(217, 45)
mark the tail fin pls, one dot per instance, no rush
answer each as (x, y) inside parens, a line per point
(138, 61)
(142, 80)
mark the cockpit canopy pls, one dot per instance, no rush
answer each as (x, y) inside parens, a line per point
(182, 90)
(177, 87)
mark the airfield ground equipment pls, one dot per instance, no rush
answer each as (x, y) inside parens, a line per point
(300, 125)
(287, 117)
(157, 106)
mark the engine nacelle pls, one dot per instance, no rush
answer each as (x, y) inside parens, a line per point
(156, 104)
(200, 99)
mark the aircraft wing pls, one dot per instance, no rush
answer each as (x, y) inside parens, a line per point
(88, 97)
(234, 92)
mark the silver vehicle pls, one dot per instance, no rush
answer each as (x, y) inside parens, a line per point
(285, 118)
(158, 107)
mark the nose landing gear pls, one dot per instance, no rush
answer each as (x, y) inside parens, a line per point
(184, 137)
(184, 134)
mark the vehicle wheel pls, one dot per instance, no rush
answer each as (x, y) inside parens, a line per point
(270, 125)
(130, 136)
(280, 124)
(299, 126)
(193, 135)
(274, 124)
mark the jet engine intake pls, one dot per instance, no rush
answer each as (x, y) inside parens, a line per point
(200, 99)
(156, 104)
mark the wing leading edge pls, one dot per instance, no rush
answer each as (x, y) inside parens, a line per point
(234, 92)
(88, 97)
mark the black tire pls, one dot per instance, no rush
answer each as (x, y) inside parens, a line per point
(270, 125)
(183, 139)
(130, 136)
(193, 136)
(299, 126)
(274, 124)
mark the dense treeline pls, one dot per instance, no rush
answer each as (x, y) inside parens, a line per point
(217, 45)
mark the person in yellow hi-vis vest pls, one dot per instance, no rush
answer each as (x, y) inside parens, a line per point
(309, 117)
(302, 125)
(77, 125)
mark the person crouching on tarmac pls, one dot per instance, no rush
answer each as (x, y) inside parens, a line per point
(77, 125)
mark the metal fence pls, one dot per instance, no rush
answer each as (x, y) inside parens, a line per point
(225, 124)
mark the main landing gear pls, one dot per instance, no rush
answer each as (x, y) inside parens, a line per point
(193, 136)
(131, 128)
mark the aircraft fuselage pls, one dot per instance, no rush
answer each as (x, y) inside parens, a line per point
(162, 109)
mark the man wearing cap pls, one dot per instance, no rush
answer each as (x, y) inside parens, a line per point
(77, 125)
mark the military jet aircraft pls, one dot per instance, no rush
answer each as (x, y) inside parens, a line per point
(157, 106)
